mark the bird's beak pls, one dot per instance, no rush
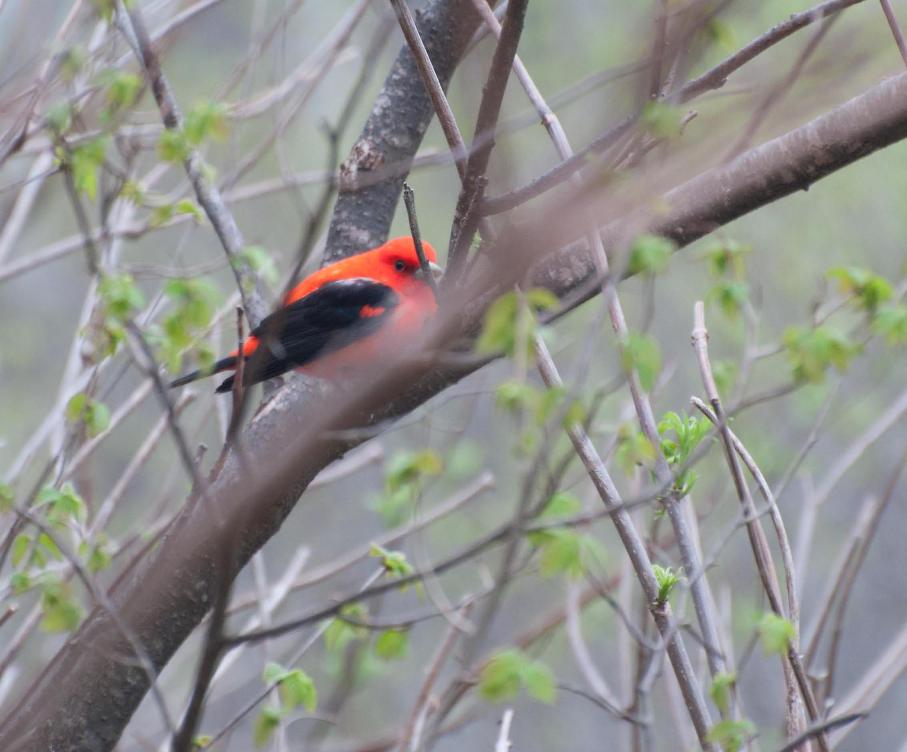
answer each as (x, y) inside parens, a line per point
(436, 271)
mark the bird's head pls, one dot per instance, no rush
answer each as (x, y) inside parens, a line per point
(400, 261)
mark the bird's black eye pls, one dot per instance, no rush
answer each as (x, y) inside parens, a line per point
(400, 265)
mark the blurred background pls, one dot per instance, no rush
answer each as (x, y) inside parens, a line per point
(284, 73)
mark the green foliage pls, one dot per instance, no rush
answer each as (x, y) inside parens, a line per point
(202, 741)
(650, 254)
(662, 120)
(667, 579)
(564, 551)
(96, 556)
(500, 327)
(258, 260)
(868, 289)
(519, 397)
(890, 322)
(194, 304)
(172, 146)
(561, 504)
(7, 497)
(266, 723)
(508, 671)
(404, 477)
(61, 612)
(730, 297)
(721, 34)
(94, 415)
(121, 296)
(85, 162)
(641, 354)
(59, 117)
(720, 690)
(812, 352)
(776, 633)
(64, 505)
(121, 88)
(394, 562)
(633, 448)
(730, 734)
(725, 373)
(679, 438)
(727, 258)
(391, 644)
(344, 629)
(295, 686)
(165, 212)
(206, 120)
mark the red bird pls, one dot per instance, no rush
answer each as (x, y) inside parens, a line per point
(343, 317)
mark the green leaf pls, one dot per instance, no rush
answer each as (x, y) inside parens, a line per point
(633, 448)
(730, 734)
(172, 146)
(662, 120)
(188, 206)
(121, 296)
(61, 611)
(96, 555)
(202, 741)
(561, 553)
(722, 34)
(59, 117)
(725, 373)
(206, 120)
(869, 290)
(776, 633)
(720, 690)
(339, 632)
(21, 544)
(409, 468)
(650, 254)
(538, 682)
(297, 688)
(509, 670)
(730, 297)
(516, 396)
(266, 723)
(890, 322)
(641, 354)
(499, 326)
(500, 678)
(257, 258)
(94, 415)
(726, 258)
(85, 161)
(391, 644)
(812, 352)
(20, 582)
(394, 562)
(64, 504)
(7, 497)
(120, 90)
(667, 579)
(561, 504)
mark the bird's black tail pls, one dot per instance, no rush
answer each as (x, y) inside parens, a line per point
(221, 365)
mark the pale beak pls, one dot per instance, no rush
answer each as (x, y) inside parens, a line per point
(436, 271)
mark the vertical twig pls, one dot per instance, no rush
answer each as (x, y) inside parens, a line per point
(409, 200)
(895, 28)
(758, 542)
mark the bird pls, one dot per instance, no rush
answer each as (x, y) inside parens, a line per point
(340, 319)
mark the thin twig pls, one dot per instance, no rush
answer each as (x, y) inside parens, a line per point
(209, 197)
(895, 29)
(409, 201)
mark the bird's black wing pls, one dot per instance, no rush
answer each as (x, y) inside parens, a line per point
(325, 320)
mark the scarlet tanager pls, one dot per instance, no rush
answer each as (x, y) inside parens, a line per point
(344, 317)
